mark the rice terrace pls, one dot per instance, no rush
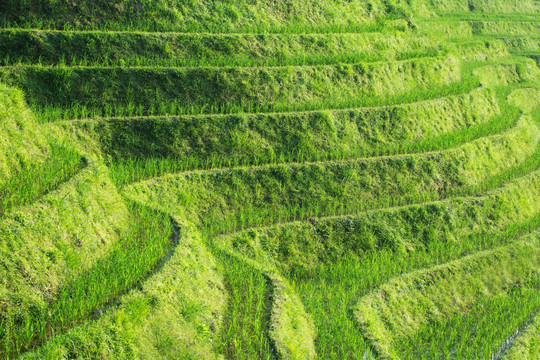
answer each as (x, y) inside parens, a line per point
(270, 179)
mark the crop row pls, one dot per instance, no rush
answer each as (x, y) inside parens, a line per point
(267, 16)
(527, 344)
(485, 9)
(92, 92)
(478, 334)
(388, 130)
(20, 47)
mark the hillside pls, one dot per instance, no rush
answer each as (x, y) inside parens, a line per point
(270, 179)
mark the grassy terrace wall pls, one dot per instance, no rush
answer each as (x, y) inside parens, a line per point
(200, 16)
(527, 346)
(178, 312)
(149, 91)
(303, 245)
(21, 144)
(248, 137)
(54, 239)
(175, 49)
(247, 196)
(495, 6)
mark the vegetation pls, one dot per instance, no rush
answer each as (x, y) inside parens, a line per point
(526, 346)
(269, 180)
(419, 296)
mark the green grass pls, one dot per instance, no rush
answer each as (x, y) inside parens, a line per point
(233, 199)
(136, 254)
(196, 50)
(478, 334)
(443, 292)
(245, 333)
(32, 182)
(201, 16)
(116, 91)
(297, 142)
(330, 290)
(22, 144)
(347, 179)
(333, 261)
(527, 344)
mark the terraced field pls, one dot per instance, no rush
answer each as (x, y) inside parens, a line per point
(270, 180)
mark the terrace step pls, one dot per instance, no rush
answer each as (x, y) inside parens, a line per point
(21, 145)
(55, 238)
(313, 253)
(147, 90)
(173, 49)
(444, 292)
(525, 346)
(211, 141)
(464, 29)
(249, 196)
(305, 244)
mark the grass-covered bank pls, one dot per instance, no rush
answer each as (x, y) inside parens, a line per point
(333, 261)
(148, 239)
(177, 312)
(527, 344)
(203, 16)
(448, 290)
(118, 91)
(101, 48)
(229, 200)
(139, 148)
(22, 144)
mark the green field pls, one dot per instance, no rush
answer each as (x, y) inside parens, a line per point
(280, 180)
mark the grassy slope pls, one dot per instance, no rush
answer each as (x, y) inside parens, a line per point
(53, 240)
(184, 310)
(200, 15)
(174, 49)
(21, 143)
(331, 261)
(177, 313)
(253, 136)
(440, 292)
(301, 246)
(150, 91)
(249, 196)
